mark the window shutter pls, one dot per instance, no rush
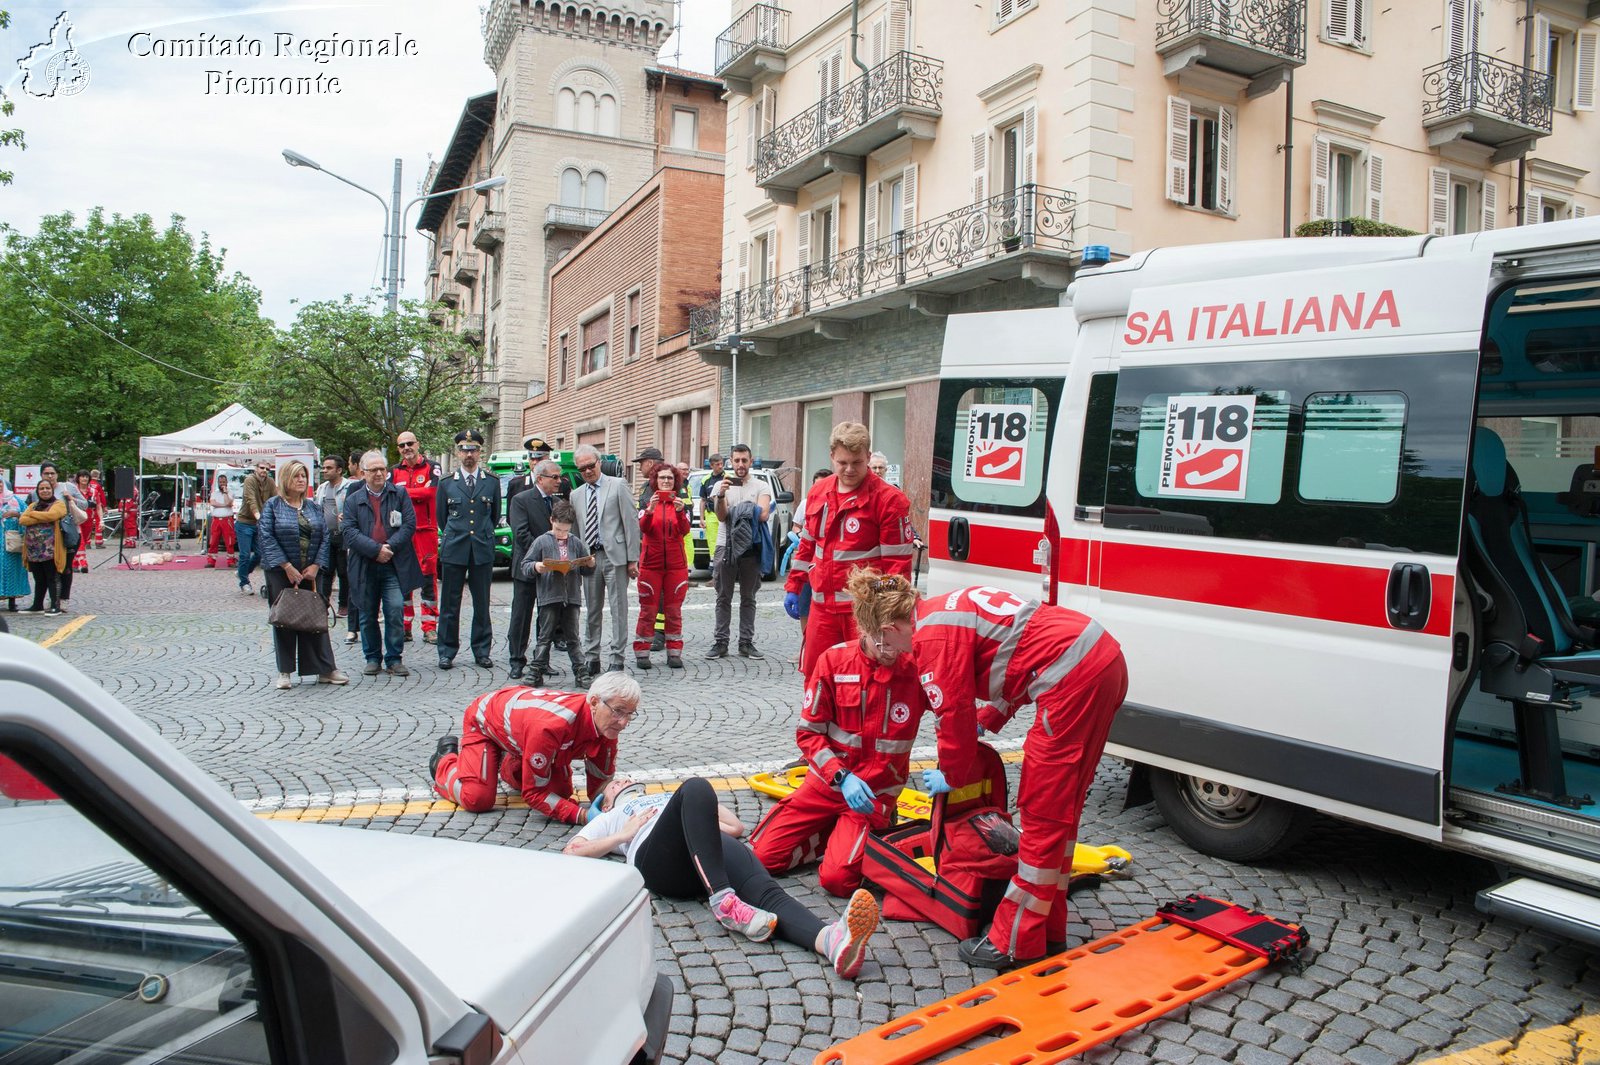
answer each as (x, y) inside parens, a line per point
(980, 166)
(1541, 44)
(869, 211)
(1177, 149)
(880, 41)
(1580, 211)
(1491, 203)
(802, 247)
(838, 228)
(1375, 186)
(899, 26)
(1583, 87)
(1358, 22)
(1457, 33)
(1002, 9)
(1337, 27)
(1227, 127)
(1319, 178)
(1438, 201)
(1030, 144)
(772, 254)
(1533, 208)
(908, 197)
(751, 129)
(769, 109)
(744, 265)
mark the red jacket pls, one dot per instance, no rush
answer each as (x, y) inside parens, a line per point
(662, 528)
(548, 730)
(870, 526)
(421, 481)
(968, 647)
(860, 716)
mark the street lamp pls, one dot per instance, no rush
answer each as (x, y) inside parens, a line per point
(393, 216)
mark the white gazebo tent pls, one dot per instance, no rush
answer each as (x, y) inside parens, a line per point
(233, 437)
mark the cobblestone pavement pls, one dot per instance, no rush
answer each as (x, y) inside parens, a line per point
(1403, 967)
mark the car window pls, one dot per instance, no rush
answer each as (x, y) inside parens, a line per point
(101, 958)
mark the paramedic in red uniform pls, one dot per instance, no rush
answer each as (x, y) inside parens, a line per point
(419, 476)
(854, 518)
(858, 720)
(663, 568)
(529, 737)
(990, 644)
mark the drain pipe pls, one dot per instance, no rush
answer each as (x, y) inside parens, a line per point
(1288, 153)
(866, 74)
(1522, 160)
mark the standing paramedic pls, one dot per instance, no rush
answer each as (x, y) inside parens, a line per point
(854, 518)
(418, 476)
(663, 568)
(858, 720)
(467, 505)
(530, 737)
(992, 645)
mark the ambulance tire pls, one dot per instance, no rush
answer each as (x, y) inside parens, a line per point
(1227, 822)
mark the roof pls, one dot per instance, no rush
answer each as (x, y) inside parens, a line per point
(233, 433)
(656, 73)
(454, 170)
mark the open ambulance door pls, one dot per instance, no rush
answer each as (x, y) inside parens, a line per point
(1277, 467)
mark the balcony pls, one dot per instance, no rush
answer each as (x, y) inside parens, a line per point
(1479, 98)
(472, 328)
(560, 216)
(449, 294)
(490, 232)
(1253, 39)
(753, 45)
(484, 174)
(897, 97)
(463, 216)
(467, 267)
(1026, 234)
(433, 268)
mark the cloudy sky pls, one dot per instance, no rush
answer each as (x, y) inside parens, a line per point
(159, 135)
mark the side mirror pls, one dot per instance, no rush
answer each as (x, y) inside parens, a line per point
(786, 496)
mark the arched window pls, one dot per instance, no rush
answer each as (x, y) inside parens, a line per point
(595, 191)
(566, 109)
(586, 113)
(608, 115)
(571, 188)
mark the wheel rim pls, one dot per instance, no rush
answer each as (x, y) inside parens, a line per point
(1221, 805)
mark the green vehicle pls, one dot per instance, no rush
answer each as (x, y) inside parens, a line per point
(508, 464)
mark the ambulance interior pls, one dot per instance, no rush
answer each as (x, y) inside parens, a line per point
(1524, 755)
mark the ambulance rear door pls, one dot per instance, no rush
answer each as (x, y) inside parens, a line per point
(1275, 537)
(1001, 380)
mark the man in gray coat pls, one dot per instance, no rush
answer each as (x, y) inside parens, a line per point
(378, 523)
(608, 522)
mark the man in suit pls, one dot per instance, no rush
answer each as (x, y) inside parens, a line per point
(468, 508)
(609, 522)
(529, 519)
(379, 525)
(537, 450)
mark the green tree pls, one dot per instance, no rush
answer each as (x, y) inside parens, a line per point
(115, 329)
(8, 137)
(351, 377)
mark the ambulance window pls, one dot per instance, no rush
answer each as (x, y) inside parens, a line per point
(992, 444)
(1096, 439)
(1253, 460)
(1351, 451)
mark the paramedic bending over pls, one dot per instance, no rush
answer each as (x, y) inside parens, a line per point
(989, 644)
(685, 847)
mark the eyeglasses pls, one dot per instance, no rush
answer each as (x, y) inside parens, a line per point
(586, 469)
(626, 715)
(542, 476)
(408, 443)
(376, 469)
(468, 448)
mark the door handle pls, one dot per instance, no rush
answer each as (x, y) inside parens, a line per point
(959, 539)
(1410, 595)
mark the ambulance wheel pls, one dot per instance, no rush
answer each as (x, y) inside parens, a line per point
(1224, 821)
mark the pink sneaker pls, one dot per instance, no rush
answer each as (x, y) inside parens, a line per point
(737, 915)
(846, 938)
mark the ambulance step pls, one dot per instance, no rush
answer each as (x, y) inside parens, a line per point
(1562, 911)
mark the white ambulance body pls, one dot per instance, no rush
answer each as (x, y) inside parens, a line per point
(1253, 463)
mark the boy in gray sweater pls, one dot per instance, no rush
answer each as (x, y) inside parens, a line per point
(556, 557)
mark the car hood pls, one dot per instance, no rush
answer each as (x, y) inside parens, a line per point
(499, 925)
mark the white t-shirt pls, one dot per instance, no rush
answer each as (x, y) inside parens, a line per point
(611, 822)
(221, 504)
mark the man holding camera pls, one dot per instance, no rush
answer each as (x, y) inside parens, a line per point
(743, 507)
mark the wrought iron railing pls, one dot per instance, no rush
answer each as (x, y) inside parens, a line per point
(903, 80)
(472, 325)
(558, 214)
(1477, 82)
(490, 231)
(1276, 26)
(763, 26)
(463, 216)
(1033, 217)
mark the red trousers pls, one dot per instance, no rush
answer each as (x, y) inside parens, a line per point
(222, 535)
(1059, 758)
(426, 541)
(793, 831)
(826, 625)
(95, 525)
(661, 591)
(468, 778)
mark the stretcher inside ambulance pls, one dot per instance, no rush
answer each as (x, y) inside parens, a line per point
(1339, 501)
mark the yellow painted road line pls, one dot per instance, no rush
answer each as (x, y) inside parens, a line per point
(1574, 1043)
(66, 630)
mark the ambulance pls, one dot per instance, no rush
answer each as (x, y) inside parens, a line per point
(1339, 499)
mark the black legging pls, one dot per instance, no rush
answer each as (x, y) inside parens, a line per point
(686, 856)
(47, 579)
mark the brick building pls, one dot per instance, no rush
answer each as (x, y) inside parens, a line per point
(619, 373)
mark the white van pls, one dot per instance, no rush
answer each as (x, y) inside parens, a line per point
(1338, 499)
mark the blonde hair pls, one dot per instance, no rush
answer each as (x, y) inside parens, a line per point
(286, 474)
(852, 436)
(880, 600)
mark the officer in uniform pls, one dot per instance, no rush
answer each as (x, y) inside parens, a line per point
(537, 451)
(468, 507)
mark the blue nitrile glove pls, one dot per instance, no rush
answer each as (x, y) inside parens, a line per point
(933, 782)
(791, 605)
(594, 807)
(857, 794)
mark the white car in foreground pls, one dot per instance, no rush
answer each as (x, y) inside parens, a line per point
(145, 916)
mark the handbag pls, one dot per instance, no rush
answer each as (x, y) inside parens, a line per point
(14, 541)
(299, 610)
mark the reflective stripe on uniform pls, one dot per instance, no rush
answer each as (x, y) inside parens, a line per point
(596, 770)
(1025, 900)
(813, 726)
(1034, 875)
(892, 746)
(1007, 636)
(1058, 670)
(550, 802)
(800, 564)
(847, 678)
(823, 758)
(839, 735)
(856, 556)
(897, 549)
